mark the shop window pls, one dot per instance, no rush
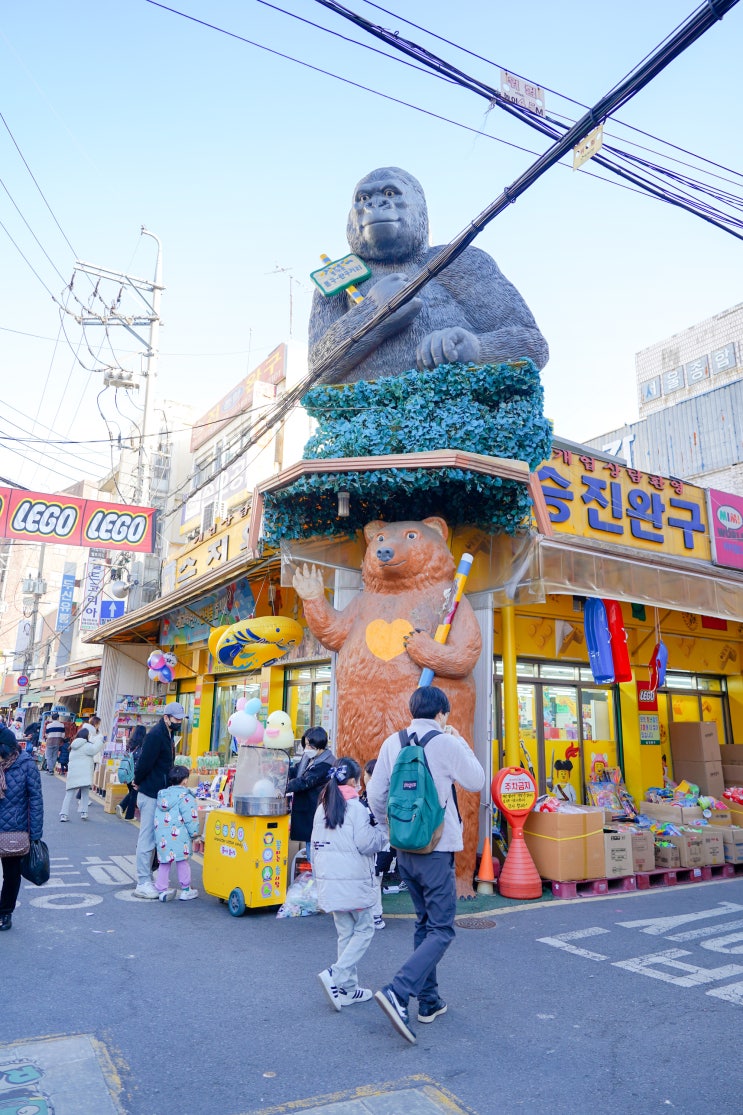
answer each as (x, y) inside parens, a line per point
(307, 697)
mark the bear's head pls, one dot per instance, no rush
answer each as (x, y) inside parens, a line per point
(405, 555)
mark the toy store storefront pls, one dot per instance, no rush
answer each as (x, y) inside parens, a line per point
(205, 591)
(652, 545)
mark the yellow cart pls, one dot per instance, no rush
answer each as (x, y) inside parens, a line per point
(245, 859)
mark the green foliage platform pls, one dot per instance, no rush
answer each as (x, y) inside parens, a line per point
(496, 410)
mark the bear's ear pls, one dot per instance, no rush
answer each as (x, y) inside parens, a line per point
(373, 528)
(439, 525)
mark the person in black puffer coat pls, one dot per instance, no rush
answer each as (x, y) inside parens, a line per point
(21, 810)
(306, 780)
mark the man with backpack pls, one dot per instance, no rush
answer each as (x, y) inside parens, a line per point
(413, 787)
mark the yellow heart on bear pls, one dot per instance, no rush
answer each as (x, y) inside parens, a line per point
(385, 640)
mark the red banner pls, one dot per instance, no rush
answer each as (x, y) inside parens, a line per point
(69, 521)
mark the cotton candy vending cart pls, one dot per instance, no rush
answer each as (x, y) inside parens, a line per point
(246, 847)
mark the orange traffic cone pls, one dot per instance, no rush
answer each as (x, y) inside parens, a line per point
(485, 875)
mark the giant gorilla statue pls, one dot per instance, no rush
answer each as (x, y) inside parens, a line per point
(470, 312)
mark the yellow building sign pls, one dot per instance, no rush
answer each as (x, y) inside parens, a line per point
(606, 501)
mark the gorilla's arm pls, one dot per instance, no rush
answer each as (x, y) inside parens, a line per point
(333, 320)
(500, 324)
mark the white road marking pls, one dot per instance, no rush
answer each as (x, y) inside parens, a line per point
(660, 927)
(562, 941)
(652, 965)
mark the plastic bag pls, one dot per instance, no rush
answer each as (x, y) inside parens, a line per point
(35, 864)
(301, 898)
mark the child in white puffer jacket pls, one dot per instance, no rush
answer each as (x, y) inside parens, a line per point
(345, 839)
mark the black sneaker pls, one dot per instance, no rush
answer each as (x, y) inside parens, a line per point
(397, 1013)
(428, 1011)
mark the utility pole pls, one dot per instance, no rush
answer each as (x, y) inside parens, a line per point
(150, 293)
(34, 587)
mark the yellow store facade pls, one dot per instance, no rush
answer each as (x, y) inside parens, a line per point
(602, 531)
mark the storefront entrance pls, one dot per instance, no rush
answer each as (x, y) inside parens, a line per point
(564, 718)
(567, 726)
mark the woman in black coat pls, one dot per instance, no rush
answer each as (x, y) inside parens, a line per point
(21, 810)
(306, 780)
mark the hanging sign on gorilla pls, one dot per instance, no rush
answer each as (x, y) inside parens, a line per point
(76, 522)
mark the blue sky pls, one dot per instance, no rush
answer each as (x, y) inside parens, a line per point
(243, 163)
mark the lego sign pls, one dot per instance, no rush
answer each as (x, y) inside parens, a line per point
(37, 517)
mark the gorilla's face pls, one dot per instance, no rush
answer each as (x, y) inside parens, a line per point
(388, 219)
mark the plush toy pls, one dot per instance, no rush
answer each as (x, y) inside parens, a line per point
(279, 731)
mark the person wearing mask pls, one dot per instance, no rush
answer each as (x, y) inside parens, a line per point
(305, 783)
(21, 814)
(156, 759)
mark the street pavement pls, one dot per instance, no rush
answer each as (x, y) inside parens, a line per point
(111, 1004)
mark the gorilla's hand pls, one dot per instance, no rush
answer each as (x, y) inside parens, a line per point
(383, 290)
(445, 346)
(308, 583)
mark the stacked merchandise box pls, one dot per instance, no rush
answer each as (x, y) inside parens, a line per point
(675, 814)
(695, 749)
(618, 854)
(567, 846)
(114, 794)
(714, 846)
(643, 847)
(690, 848)
(732, 764)
(733, 844)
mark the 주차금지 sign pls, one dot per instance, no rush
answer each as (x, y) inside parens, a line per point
(39, 517)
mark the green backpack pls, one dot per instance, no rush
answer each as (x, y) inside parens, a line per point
(414, 814)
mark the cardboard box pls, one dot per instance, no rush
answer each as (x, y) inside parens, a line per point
(618, 854)
(114, 795)
(690, 847)
(732, 774)
(714, 846)
(643, 851)
(733, 844)
(707, 776)
(720, 817)
(696, 742)
(676, 814)
(736, 812)
(731, 753)
(667, 857)
(567, 846)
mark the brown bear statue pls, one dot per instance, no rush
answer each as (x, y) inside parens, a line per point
(384, 638)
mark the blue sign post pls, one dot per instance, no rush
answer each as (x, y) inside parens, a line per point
(112, 609)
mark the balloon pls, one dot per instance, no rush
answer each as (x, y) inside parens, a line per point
(152, 674)
(170, 660)
(156, 660)
(166, 674)
(240, 704)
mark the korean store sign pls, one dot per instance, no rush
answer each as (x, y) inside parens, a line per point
(726, 520)
(607, 501)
